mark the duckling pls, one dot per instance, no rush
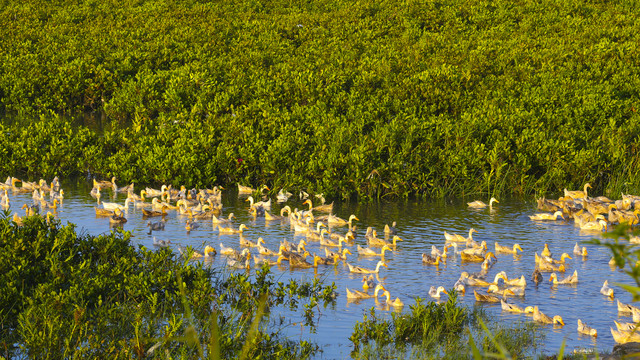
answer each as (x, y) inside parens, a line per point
(569, 280)
(370, 252)
(606, 290)
(507, 250)
(431, 260)
(478, 204)
(229, 230)
(542, 318)
(546, 216)
(587, 330)
(510, 307)
(361, 270)
(435, 293)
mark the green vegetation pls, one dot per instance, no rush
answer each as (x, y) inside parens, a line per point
(65, 295)
(441, 331)
(365, 99)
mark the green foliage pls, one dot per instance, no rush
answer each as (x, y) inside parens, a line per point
(428, 99)
(63, 295)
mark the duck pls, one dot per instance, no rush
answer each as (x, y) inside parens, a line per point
(358, 295)
(577, 194)
(459, 238)
(513, 291)
(479, 204)
(459, 287)
(191, 225)
(431, 260)
(545, 266)
(510, 307)
(540, 317)
(330, 243)
(225, 250)
(546, 251)
(283, 196)
(586, 330)
(521, 282)
(321, 208)
(153, 213)
(467, 279)
(103, 184)
(362, 251)
(397, 303)
(507, 250)
(247, 243)
(100, 212)
(161, 243)
(569, 280)
(341, 256)
(546, 216)
(367, 282)
(578, 251)
(336, 221)
(361, 270)
(260, 206)
(623, 337)
(156, 226)
(270, 217)
(95, 193)
(259, 261)
(606, 290)
(113, 206)
(326, 260)
(229, 230)
(628, 326)
(117, 218)
(435, 292)
(442, 253)
(467, 257)
(208, 252)
(548, 259)
(390, 230)
(626, 308)
(217, 221)
(488, 297)
(155, 192)
(599, 225)
(375, 241)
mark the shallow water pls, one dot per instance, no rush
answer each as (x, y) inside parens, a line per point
(420, 225)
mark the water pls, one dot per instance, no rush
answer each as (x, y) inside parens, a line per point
(420, 224)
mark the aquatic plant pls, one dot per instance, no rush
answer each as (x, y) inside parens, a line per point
(64, 294)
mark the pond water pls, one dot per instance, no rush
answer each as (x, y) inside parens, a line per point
(420, 224)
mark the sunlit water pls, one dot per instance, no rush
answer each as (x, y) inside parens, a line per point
(420, 224)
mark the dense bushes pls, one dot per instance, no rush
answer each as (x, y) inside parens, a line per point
(368, 99)
(67, 295)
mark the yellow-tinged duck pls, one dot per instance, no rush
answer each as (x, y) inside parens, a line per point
(545, 266)
(467, 257)
(216, 221)
(623, 337)
(540, 317)
(367, 282)
(153, 213)
(628, 326)
(549, 259)
(546, 216)
(370, 252)
(436, 252)
(513, 291)
(507, 250)
(510, 307)
(336, 221)
(577, 194)
(626, 308)
(521, 281)
(459, 238)
(117, 218)
(397, 303)
(478, 204)
(488, 297)
(606, 290)
(103, 212)
(248, 243)
(270, 217)
(431, 260)
(329, 243)
(569, 280)
(578, 251)
(341, 256)
(265, 251)
(586, 330)
(358, 295)
(208, 252)
(599, 225)
(435, 292)
(390, 230)
(230, 230)
(467, 279)
(546, 251)
(361, 270)
(225, 250)
(321, 208)
(104, 184)
(326, 260)
(374, 241)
